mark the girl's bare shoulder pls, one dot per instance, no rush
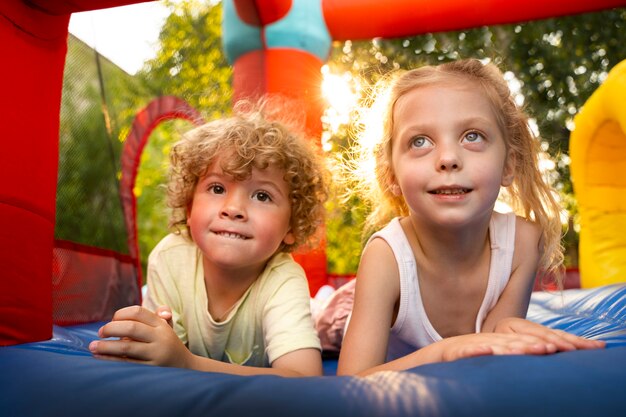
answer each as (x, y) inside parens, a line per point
(527, 232)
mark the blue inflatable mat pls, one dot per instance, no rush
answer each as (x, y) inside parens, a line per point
(60, 378)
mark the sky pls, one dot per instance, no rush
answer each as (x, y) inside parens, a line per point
(126, 35)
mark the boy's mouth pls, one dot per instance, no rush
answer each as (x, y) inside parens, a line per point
(232, 235)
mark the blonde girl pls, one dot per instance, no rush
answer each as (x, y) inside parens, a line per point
(448, 276)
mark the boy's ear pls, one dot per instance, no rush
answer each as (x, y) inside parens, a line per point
(289, 238)
(188, 212)
(508, 173)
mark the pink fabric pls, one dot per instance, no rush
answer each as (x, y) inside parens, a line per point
(334, 312)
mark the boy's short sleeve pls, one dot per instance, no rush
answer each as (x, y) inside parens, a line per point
(161, 286)
(287, 321)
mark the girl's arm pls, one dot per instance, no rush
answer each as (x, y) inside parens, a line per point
(508, 316)
(364, 348)
(376, 293)
(465, 346)
(562, 340)
(516, 296)
(146, 338)
(377, 290)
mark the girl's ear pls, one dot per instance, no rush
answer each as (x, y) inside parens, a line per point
(394, 187)
(508, 173)
(395, 190)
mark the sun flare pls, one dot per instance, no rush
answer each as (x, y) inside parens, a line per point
(341, 92)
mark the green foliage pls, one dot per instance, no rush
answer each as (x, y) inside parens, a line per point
(190, 63)
(558, 62)
(150, 187)
(94, 116)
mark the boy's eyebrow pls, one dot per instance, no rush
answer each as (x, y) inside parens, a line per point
(268, 184)
(256, 182)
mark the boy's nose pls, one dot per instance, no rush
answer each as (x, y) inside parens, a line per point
(234, 208)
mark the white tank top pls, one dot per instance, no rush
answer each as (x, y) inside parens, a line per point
(412, 329)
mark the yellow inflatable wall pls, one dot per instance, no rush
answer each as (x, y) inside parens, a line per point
(598, 169)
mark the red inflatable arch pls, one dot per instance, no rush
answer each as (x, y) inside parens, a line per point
(157, 111)
(33, 48)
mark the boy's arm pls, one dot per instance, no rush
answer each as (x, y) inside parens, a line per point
(291, 341)
(147, 338)
(162, 292)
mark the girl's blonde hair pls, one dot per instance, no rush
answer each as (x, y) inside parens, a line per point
(530, 196)
(242, 142)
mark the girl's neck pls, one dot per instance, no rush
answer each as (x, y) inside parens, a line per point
(459, 247)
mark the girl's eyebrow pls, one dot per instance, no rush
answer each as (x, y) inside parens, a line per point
(424, 126)
(476, 119)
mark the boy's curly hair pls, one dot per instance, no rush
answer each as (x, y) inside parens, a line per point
(242, 142)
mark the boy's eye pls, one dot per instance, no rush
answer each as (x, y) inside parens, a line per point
(473, 137)
(216, 189)
(262, 196)
(420, 142)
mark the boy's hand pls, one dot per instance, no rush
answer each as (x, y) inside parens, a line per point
(165, 312)
(144, 338)
(562, 340)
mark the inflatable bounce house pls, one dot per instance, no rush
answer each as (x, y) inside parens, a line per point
(54, 294)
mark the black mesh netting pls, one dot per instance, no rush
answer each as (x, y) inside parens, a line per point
(91, 259)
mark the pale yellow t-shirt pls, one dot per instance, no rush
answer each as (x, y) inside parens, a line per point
(271, 319)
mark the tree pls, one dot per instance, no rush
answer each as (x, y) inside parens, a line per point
(190, 63)
(557, 62)
(97, 109)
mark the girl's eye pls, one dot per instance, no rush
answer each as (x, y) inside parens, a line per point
(420, 142)
(262, 196)
(216, 189)
(473, 137)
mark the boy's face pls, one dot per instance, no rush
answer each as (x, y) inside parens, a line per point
(240, 224)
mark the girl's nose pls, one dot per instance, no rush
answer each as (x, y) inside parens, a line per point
(448, 165)
(449, 160)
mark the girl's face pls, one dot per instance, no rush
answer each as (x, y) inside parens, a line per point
(449, 156)
(240, 224)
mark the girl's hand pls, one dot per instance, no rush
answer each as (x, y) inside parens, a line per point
(562, 340)
(144, 338)
(467, 346)
(479, 344)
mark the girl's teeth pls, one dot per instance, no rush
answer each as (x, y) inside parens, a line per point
(451, 192)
